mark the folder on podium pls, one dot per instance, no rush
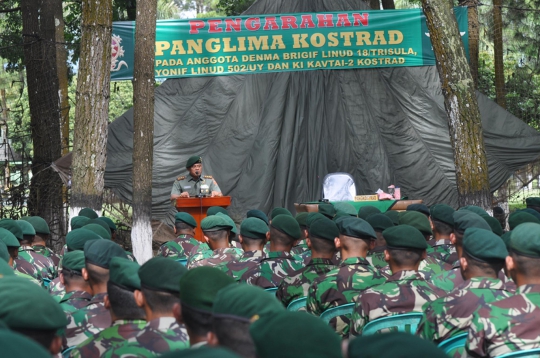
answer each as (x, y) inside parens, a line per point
(197, 208)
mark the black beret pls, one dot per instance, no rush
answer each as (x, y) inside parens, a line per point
(421, 208)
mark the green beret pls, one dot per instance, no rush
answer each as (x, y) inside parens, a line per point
(294, 334)
(521, 217)
(193, 160)
(404, 237)
(355, 227)
(506, 239)
(78, 222)
(279, 211)
(26, 228)
(4, 253)
(26, 305)
(205, 351)
(215, 223)
(75, 239)
(475, 209)
(366, 211)
(89, 213)
(254, 228)
(301, 218)
(392, 345)
(324, 229)
(213, 210)
(5, 269)
(229, 221)
(525, 240)
(327, 210)
(393, 215)
(73, 260)
(39, 224)
(533, 212)
(100, 252)
(8, 238)
(494, 224)
(199, 287)
(379, 222)
(421, 208)
(312, 217)
(13, 227)
(257, 214)
(161, 274)
(109, 222)
(484, 245)
(98, 229)
(346, 208)
(185, 218)
(340, 214)
(125, 273)
(464, 219)
(245, 302)
(103, 224)
(533, 201)
(443, 213)
(16, 345)
(287, 225)
(418, 220)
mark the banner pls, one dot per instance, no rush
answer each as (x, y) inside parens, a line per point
(285, 42)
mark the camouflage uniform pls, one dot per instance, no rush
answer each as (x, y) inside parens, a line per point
(57, 289)
(451, 279)
(507, 325)
(376, 257)
(213, 257)
(272, 269)
(26, 268)
(178, 248)
(237, 267)
(44, 266)
(300, 248)
(430, 267)
(74, 300)
(28, 277)
(297, 285)
(443, 250)
(87, 321)
(45, 251)
(405, 291)
(109, 338)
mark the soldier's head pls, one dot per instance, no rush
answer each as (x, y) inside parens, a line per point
(500, 215)
(98, 255)
(463, 220)
(253, 234)
(379, 223)
(284, 233)
(235, 306)
(159, 287)
(11, 243)
(484, 254)
(533, 203)
(322, 237)
(41, 229)
(216, 230)
(124, 280)
(356, 237)
(405, 247)
(110, 224)
(28, 232)
(198, 289)
(417, 220)
(442, 220)
(184, 224)
(194, 166)
(523, 263)
(310, 219)
(301, 218)
(71, 274)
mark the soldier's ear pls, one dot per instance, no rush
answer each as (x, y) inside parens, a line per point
(56, 345)
(139, 298)
(464, 264)
(337, 242)
(174, 228)
(510, 264)
(106, 302)
(453, 238)
(61, 277)
(431, 224)
(308, 242)
(267, 237)
(84, 273)
(240, 239)
(386, 256)
(207, 239)
(177, 313)
(212, 339)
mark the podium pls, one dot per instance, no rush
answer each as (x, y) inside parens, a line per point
(197, 207)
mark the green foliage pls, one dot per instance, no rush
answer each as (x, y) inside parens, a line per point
(11, 41)
(234, 7)
(121, 99)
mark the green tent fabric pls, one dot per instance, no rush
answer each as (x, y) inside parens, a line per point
(269, 139)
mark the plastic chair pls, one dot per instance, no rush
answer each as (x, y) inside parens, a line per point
(46, 282)
(271, 290)
(346, 309)
(529, 353)
(67, 351)
(297, 304)
(182, 261)
(407, 322)
(338, 187)
(451, 344)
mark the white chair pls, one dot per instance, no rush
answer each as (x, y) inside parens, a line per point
(339, 187)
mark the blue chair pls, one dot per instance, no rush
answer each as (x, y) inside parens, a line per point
(343, 310)
(450, 345)
(182, 261)
(407, 322)
(67, 352)
(529, 353)
(297, 304)
(271, 290)
(46, 282)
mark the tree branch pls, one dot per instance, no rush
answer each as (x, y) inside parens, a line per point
(5, 11)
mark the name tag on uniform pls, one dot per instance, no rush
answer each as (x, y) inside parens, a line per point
(187, 187)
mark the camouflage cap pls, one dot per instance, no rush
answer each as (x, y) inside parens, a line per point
(393, 344)
(287, 225)
(193, 160)
(254, 213)
(279, 211)
(327, 210)
(532, 201)
(464, 219)
(204, 351)
(39, 224)
(494, 224)
(16, 345)
(8, 238)
(26, 228)
(124, 273)
(213, 210)
(525, 240)
(5, 269)
(475, 209)
(4, 253)
(379, 222)
(103, 224)
(312, 217)
(78, 222)
(301, 218)
(13, 227)
(294, 334)
(254, 228)
(324, 229)
(346, 208)
(98, 229)
(89, 213)
(108, 221)
(506, 239)
(75, 239)
(443, 213)
(393, 215)
(28, 306)
(73, 260)
(533, 212)
(245, 302)
(421, 208)
(355, 227)
(215, 223)
(404, 237)
(484, 245)
(161, 274)
(418, 220)
(229, 220)
(366, 211)
(519, 218)
(100, 252)
(199, 287)
(185, 218)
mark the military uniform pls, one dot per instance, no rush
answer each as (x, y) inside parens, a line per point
(178, 248)
(443, 250)
(237, 267)
(300, 248)
(57, 289)
(405, 291)
(272, 269)
(297, 285)
(45, 251)
(28, 277)
(376, 258)
(193, 186)
(45, 266)
(74, 300)
(451, 279)
(213, 257)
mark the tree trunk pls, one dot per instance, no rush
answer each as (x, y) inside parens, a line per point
(498, 47)
(460, 102)
(40, 61)
(474, 37)
(388, 4)
(91, 113)
(374, 4)
(143, 129)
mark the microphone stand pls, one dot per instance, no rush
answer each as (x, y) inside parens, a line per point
(199, 195)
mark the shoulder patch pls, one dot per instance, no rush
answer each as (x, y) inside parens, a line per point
(208, 177)
(181, 178)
